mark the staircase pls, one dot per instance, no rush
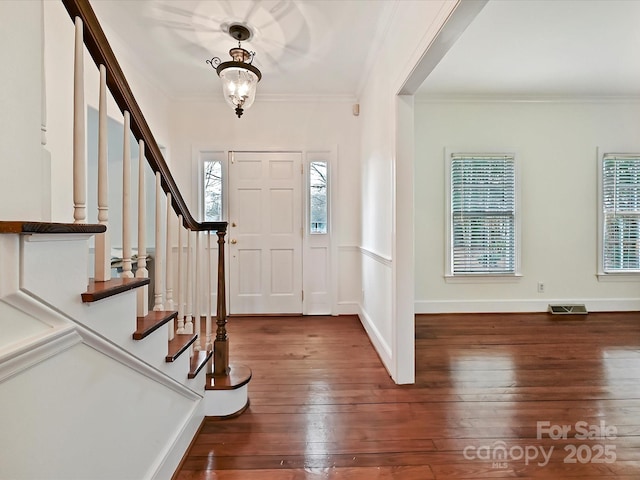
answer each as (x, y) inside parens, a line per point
(94, 379)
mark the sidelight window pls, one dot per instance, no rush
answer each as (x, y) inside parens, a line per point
(318, 211)
(212, 180)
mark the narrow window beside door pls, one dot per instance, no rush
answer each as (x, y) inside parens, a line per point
(318, 197)
(212, 176)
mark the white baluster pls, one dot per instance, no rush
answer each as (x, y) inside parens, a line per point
(142, 271)
(180, 282)
(188, 325)
(169, 305)
(157, 287)
(79, 155)
(102, 240)
(126, 201)
(208, 345)
(197, 316)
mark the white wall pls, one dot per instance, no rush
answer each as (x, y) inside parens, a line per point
(412, 27)
(21, 156)
(268, 125)
(555, 144)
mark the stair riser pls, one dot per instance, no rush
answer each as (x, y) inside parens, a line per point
(223, 403)
(56, 270)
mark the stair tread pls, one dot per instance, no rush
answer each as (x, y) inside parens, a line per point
(239, 375)
(151, 322)
(49, 227)
(99, 290)
(198, 361)
(179, 344)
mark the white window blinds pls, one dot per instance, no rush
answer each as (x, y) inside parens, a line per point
(483, 214)
(621, 213)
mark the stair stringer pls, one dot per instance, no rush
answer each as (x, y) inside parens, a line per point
(113, 317)
(71, 388)
(36, 336)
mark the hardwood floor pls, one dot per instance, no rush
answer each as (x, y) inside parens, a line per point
(323, 406)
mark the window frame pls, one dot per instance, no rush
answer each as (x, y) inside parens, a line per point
(479, 277)
(213, 156)
(308, 195)
(602, 274)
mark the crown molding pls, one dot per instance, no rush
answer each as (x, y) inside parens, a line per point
(612, 99)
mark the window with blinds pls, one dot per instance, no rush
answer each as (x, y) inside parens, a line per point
(621, 213)
(483, 214)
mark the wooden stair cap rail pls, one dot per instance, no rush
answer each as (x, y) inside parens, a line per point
(239, 376)
(148, 324)
(99, 290)
(180, 343)
(198, 361)
(29, 228)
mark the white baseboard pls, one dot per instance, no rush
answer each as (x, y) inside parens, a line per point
(347, 308)
(383, 349)
(524, 305)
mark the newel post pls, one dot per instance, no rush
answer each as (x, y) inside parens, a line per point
(221, 344)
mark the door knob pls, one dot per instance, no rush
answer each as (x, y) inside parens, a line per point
(233, 241)
(233, 224)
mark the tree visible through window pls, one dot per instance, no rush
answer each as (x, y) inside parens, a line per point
(318, 197)
(213, 191)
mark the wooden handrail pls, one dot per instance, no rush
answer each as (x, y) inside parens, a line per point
(102, 54)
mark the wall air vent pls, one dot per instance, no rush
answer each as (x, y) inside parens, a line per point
(568, 309)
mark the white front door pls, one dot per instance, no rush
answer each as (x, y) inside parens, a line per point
(265, 232)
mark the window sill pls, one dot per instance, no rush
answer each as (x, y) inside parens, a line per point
(618, 277)
(483, 278)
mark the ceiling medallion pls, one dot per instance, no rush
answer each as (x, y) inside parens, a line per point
(239, 77)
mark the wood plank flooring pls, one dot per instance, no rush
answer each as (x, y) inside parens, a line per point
(323, 406)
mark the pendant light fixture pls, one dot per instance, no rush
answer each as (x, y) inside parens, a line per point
(239, 77)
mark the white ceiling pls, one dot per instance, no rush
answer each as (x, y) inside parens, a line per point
(308, 47)
(533, 48)
(325, 47)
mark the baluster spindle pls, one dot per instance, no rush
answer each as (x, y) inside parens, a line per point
(102, 240)
(142, 271)
(126, 200)
(197, 311)
(188, 324)
(180, 279)
(169, 304)
(208, 344)
(168, 258)
(79, 155)
(158, 296)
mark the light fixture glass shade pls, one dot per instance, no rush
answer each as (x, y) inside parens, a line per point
(239, 77)
(239, 86)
